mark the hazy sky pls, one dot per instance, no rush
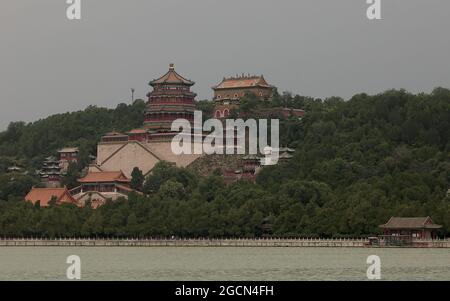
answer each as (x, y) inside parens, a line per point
(318, 48)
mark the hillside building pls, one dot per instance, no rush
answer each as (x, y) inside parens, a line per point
(45, 195)
(412, 227)
(67, 155)
(98, 187)
(228, 93)
(171, 98)
(51, 173)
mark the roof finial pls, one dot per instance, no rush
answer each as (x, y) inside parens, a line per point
(172, 66)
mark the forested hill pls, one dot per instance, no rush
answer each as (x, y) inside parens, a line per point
(357, 163)
(31, 142)
(361, 161)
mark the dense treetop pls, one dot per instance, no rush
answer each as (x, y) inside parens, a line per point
(34, 141)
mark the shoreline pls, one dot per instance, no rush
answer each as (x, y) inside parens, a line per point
(263, 242)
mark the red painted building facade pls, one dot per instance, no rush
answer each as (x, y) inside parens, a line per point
(170, 99)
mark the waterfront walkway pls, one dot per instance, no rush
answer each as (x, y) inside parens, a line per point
(263, 242)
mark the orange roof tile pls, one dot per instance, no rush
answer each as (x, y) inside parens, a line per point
(137, 131)
(172, 77)
(104, 176)
(243, 82)
(44, 195)
(410, 223)
(126, 188)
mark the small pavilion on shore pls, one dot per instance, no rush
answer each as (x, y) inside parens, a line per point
(413, 227)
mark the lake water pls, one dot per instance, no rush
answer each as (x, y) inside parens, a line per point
(195, 263)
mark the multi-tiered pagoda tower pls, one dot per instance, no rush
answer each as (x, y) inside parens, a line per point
(170, 99)
(51, 173)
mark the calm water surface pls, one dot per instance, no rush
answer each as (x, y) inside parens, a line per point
(48, 263)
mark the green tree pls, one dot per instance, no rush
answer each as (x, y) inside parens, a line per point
(137, 179)
(73, 174)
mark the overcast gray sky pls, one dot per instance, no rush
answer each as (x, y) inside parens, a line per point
(318, 48)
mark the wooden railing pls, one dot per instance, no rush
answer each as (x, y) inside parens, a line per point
(205, 242)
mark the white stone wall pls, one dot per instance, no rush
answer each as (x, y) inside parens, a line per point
(164, 151)
(131, 155)
(126, 156)
(104, 150)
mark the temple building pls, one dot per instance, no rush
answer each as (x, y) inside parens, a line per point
(118, 153)
(51, 173)
(171, 98)
(228, 93)
(98, 187)
(410, 228)
(67, 155)
(45, 195)
(253, 164)
(277, 156)
(140, 135)
(279, 112)
(114, 137)
(14, 169)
